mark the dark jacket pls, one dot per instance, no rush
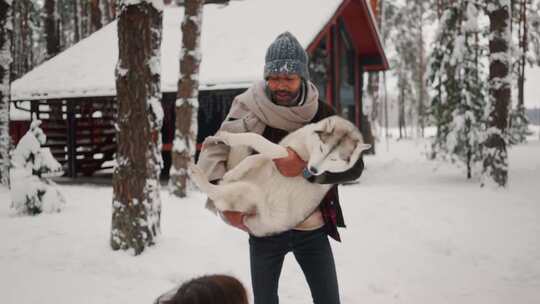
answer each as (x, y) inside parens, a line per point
(330, 207)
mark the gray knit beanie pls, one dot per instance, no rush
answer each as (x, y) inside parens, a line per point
(286, 56)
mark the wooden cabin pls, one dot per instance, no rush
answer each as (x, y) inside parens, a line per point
(74, 92)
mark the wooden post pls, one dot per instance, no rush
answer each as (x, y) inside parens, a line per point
(72, 141)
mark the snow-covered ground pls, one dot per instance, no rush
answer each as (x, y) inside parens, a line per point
(418, 232)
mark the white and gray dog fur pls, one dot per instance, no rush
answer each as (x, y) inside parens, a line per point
(253, 184)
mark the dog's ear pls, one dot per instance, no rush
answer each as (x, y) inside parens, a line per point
(360, 146)
(329, 125)
(363, 147)
(325, 126)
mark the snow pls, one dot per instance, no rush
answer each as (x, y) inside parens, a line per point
(155, 65)
(158, 4)
(471, 23)
(157, 110)
(192, 102)
(418, 232)
(30, 193)
(234, 41)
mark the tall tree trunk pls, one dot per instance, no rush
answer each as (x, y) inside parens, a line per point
(382, 27)
(76, 21)
(421, 73)
(22, 39)
(51, 29)
(496, 157)
(61, 19)
(5, 73)
(523, 58)
(440, 86)
(112, 4)
(136, 194)
(469, 162)
(84, 18)
(187, 103)
(373, 84)
(95, 16)
(386, 133)
(401, 113)
(106, 11)
(373, 92)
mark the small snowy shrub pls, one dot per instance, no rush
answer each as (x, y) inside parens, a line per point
(31, 192)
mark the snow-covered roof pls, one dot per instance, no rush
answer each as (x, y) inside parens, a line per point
(234, 42)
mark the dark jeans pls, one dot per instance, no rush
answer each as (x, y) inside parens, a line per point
(312, 251)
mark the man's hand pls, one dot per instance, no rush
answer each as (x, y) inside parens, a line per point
(235, 219)
(290, 166)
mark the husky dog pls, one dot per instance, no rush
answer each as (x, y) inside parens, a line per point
(255, 186)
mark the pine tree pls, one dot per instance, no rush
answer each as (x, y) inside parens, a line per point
(31, 192)
(95, 15)
(5, 73)
(442, 77)
(406, 64)
(136, 198)
(373, 100)
(26, 31)
(105, 6)
(388, 11)
(466, 131)
(456, 76)
(67, 14)
(51, 30)
(528, 52)
(76, 21)
(421, 69)
(500, 79)
(84, 18)
(533, 31)
(187, 103)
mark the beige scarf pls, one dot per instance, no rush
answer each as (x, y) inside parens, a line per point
(252, 110)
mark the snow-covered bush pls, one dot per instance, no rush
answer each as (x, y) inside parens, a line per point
(31, 192)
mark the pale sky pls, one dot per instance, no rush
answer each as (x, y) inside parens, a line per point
(532, 87)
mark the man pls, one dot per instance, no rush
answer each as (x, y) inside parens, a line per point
(284, 102)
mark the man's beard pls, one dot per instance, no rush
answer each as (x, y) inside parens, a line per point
(284, 97)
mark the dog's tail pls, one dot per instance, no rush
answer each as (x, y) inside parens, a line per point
(201, 179)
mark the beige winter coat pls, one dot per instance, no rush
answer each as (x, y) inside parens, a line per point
(252, 111)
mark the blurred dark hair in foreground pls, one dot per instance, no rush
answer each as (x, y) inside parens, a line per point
(210, 289)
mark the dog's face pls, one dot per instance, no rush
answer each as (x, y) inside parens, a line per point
(335, 145)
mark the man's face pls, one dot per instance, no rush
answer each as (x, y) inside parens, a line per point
(283, 87)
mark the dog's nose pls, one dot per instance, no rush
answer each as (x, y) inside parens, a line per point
(313, 170)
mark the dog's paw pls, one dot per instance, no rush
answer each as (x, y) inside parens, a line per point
(225, 137)
(212, 140)
(220, 137)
